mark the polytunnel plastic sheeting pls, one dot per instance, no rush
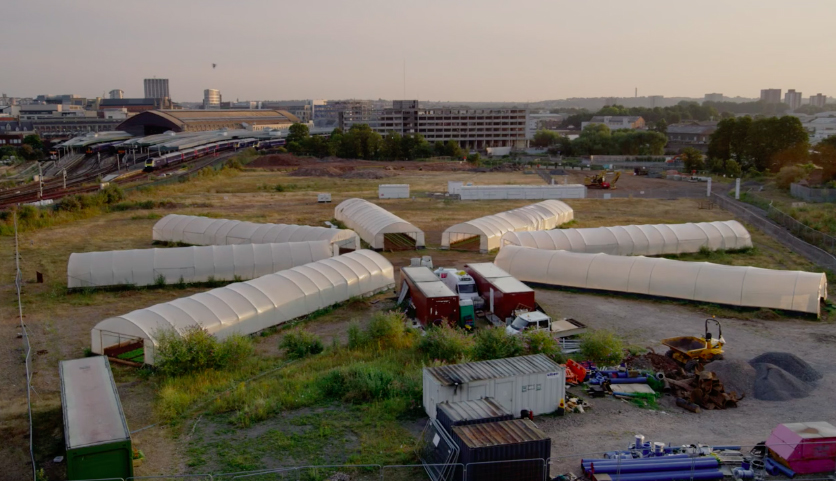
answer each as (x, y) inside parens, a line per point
(634, 240)
(143, 267)
(248, 307)
(197, 230)
(697, 281)
(373, 222)
(490, 228)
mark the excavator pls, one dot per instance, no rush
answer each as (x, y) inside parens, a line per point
(599, 181)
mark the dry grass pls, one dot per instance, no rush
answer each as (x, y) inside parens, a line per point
(60, 323)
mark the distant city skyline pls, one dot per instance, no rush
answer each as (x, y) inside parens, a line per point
(467, 51)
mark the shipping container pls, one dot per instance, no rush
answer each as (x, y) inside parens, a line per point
(454, 187)
(479, 411)
(430, 299)
(393, 191)
(513, 450)
(503, 294)
(96, 434)
(535, 383)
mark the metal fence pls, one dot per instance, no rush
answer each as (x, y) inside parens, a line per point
(810, 194)
(27, 348)
(808, 234)
(759, 218)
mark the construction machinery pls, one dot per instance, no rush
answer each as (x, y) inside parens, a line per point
(599, 181)
(690, 352)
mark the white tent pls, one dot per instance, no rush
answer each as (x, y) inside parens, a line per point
(143, 267)
(697, 281)
(489, 229)
(377, 226)
(638, 240)
(504, 192)
(249, 307)
(195, 230)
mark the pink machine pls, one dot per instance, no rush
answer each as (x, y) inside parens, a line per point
(804, 447)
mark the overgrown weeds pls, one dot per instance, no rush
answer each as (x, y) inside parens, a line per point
(603, 347)
(299, 344)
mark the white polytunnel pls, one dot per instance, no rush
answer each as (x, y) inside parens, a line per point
(377, 226)
(655, 276)
(196, 230)
(486, 232)
(638, 240)
(251, 306)
(144, 267)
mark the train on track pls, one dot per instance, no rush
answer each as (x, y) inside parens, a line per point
(197, 152)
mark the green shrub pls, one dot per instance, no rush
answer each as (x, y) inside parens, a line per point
(298, 344)
(356, 337)
(445, 343)
(196, 350)
(279, 188)
(112, 194)
(69, 203)
(603, 347)
(359, 383)
(541, 342)
(234, 350)
(387, 330)
(493, 343)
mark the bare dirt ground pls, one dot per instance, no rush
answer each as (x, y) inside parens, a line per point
(60, 324)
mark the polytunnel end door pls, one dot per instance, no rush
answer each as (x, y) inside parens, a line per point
(128, 350)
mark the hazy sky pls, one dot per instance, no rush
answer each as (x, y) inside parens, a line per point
(481, 50)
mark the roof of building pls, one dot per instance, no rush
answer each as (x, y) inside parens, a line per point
(615, 118)
(469, 410)
(179, 119)
(456, 374)
(691, 129)
(516, 431)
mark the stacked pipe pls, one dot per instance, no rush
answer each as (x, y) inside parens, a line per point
(660, 468)
(703, 390)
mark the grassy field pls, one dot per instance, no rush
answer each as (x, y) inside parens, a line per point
(219, 437)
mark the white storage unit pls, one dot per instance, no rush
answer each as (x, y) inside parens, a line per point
(542, 215)
(393, 191)
(695, 281)
(635, 240)
(505, 192)
(252, 306)
(533, 382)
(205, 231)
(143, 267)
(454, 187)
(377, 226)
(323, 197)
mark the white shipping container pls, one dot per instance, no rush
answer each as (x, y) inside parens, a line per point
(533, 382)
(393, 191)
(323, 197)
(454, 187)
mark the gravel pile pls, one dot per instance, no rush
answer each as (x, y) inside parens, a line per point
(789, 363)
(737, 376)
(775, 384)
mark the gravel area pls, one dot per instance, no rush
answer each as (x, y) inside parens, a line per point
(737, 376)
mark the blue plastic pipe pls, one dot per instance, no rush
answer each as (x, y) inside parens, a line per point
(725, 448)
(635, 460)
(628, 380)
(773, 467)
(698, 475)
(647, 467)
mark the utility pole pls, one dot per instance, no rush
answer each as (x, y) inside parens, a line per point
(40, 181)
(65, 179)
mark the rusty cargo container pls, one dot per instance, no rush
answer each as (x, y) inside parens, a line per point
(431, 300)
(502, 292)
(514, 450)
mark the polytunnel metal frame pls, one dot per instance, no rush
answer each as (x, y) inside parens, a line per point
(144, 267)
(197, 230)
(648, 239)
(373, 223)
(251, 306)
(491, 228)
(696, 281)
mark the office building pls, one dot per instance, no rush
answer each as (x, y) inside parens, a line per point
(116, 94)
(211, 99)
(543, 121)
(793, 99)
(818, 100)
(713, 98)
(303, 109)
(473, 129)
(771, 96)
(328, 114)
(156, 88)
(617, 122)
(656, 100)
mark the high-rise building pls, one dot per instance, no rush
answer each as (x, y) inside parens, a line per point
(818, 100)
(156, 88)
(211, 99)
(656, 100)
(793, 99)
(714, 97)
(771, 96)
(117, 94)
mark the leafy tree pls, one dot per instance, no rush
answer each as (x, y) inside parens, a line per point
(390, 148)
(661, 126)
(693, 159)
(824, 156)
(474, 159)
(34, 140)
(719, 144)
(452, 149)
(545, 138)
(7, 151)
(295, 147)
(27, 152)
(575, 120)
(318, 146)
(733, 169)
(360, 142)
(298, 133)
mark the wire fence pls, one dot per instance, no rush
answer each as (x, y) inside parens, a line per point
(802, 231)
(27, 348)
(683, 462)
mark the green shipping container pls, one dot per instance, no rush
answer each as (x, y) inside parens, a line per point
(95, 432)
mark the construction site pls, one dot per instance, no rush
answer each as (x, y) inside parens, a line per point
(405, 320)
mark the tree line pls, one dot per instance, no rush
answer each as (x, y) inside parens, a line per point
(32, 148)
(361, 142)
(598, 139)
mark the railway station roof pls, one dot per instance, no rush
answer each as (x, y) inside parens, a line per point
(158, 121)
